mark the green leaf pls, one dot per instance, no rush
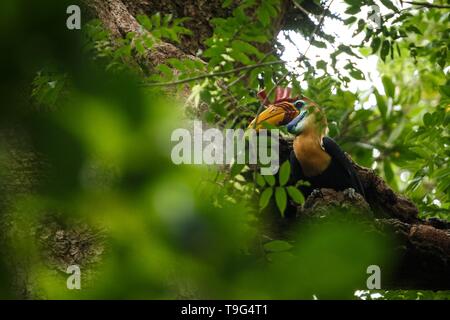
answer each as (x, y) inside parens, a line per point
(413, 29)
(397, 131)
(283, 257)
(361, 25)
(375, 45)
(388, 172)
(321, 65)
(236, 168)
(353, 10)
(350, 20)
(356, 74)
(295, 195)
(389, 87)
(281, 199)
(165, 70)
(319, 44)
(385, 48)
(240, 56)
(140, 47)
(445, 90)
(265, 198)
(388, 4)
(347, 50)
(381, 104)
(144, 20)
(398, 50)
(156, 20)
(277, 246)
(392, 52)
(353, 2)
(246, 47)
(263, 15)
(428, 119)
(227, 3)
(270, 180)
(166, 19)
(285, 172)
(260, 180)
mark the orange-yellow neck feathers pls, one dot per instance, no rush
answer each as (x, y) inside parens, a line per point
(308, 150)
(308, 147)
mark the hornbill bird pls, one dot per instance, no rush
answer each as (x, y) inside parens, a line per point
(315, 157)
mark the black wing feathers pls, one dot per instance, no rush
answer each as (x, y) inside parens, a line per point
(333, 149)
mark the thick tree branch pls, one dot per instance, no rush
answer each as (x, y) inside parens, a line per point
(422, 247)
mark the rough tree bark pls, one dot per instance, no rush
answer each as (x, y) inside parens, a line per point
(116, 17)
(22, 174)
(422, 245)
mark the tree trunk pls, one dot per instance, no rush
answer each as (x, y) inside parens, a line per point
(116, 17)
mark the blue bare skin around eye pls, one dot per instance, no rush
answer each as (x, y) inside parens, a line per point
(291, 125)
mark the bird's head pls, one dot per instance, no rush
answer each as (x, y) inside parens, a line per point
(277, 114)
(310, 120)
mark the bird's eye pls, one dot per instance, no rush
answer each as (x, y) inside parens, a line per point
(299, 104)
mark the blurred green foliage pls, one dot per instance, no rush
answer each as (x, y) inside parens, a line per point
(85, 104)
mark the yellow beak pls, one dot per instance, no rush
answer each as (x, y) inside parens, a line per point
(277, 114)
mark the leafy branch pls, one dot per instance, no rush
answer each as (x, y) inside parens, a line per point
(214, 74)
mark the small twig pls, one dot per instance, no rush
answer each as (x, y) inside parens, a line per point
(298, 6)
(345, 124)
(428, 5)
(288, 37)
(213, 74)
